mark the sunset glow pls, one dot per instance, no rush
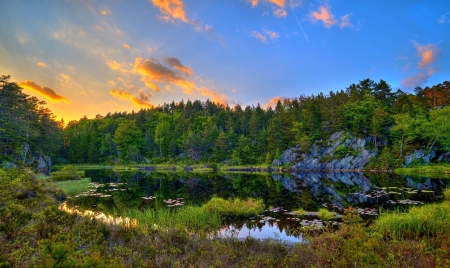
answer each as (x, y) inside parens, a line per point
(94, 57)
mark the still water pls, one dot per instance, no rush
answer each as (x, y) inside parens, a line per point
(281, 193)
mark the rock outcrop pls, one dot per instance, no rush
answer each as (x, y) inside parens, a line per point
(341, 152)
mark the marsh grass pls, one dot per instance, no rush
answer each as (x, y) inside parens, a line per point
(68, 172)
(71, 187)
(428, 220)
(441, 170)
(235, 207)
(191, 218)
(326, 215)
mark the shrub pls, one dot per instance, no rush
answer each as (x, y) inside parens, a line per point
(326, 215)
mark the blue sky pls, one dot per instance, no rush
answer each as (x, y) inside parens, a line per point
(93, 57)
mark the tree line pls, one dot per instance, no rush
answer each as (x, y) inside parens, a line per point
(394, 122)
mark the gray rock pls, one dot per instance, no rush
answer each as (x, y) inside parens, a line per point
(419, 155)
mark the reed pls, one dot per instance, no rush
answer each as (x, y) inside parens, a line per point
(190, 218)
(235, 207)
(428, 220)
(71, 187)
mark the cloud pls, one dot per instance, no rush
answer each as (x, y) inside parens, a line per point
(418, 79)
(126, 46)
(66, 80)
(345, 21)
(215, 96)
(280, 3)
(171, 9)
(428, 55)
(259, 36)
(46, 91)
(111, 82)
(280, 13)
(152, 71)
(324, 14)
(142, 100)
(273, 102)
(41, 64)
(104, 12)
(272, 35)
(175, 63)
(444, 18)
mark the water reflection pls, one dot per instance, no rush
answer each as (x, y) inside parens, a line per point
(116, 192)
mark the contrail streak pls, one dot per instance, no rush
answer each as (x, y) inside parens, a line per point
(299, 24)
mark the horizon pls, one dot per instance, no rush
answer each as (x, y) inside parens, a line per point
(89, 58)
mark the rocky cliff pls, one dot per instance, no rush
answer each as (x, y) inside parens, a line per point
(341, 152)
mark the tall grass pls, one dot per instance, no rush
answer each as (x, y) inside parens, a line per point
(428, 220)
(235, 207)
(190, 218)
(71, 187)
(326, 215)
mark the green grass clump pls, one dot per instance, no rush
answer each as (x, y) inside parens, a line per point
(191, 218)
(326, 215)
(68, 172)
(428, 220)
(235, 207)
(72, 187)
(447, 194)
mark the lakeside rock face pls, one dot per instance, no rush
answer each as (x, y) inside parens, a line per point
(341, 152)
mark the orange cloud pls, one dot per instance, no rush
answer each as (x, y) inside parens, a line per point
(41, 64)
(428, 54)
(46, 91)
(153, 71)
(215, 96)
(175, 63)
(273, 102)
(280, 13)
(280, 3)
(142, 100)
(324, 14)
(104, 12)
(259, 36)
(171, 9)
(114, 65)
(345, 22)
(126, 46)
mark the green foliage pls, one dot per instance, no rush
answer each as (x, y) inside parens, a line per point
(428, 220)
(326, 215)
(69, 172)
(235, 207)
(72, 187)
(342, 151)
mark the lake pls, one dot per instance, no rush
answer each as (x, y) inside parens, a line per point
(114, 192)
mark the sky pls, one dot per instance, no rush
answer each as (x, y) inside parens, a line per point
(89, 57)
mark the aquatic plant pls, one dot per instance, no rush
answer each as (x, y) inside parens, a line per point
(427, 220)
(69, 172)
(71, 187)
(326, 215)
(235, 207)
(191, 218)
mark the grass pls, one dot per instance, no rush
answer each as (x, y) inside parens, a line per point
(441, 170)
(190, 218)
(428, 220)
(326, 215)
(68, 172)
(235, 207)
(71, 187)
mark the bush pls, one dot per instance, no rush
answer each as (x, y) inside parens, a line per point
(326, 215)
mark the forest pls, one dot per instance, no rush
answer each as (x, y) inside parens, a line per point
(395, 122)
